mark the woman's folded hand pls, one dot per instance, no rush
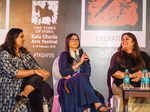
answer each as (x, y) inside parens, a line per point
(67, 77)
(43, 73)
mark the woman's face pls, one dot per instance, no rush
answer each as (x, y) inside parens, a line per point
(74, 42)
(20, 40)
(127, 42)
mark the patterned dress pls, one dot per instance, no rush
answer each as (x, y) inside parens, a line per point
(10, 85)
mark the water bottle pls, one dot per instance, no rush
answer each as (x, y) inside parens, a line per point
(146, 78)
(142, 82)
(126, 80)
(45, 105)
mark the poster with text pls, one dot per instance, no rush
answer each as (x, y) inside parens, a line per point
(44, 20)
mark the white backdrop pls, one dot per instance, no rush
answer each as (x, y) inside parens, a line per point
(3, 33)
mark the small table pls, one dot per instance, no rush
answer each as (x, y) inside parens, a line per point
(134, 92)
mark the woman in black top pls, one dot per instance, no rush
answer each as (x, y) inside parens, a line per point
(128, 56)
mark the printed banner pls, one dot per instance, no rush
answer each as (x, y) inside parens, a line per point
(104, 21)
(44, 20)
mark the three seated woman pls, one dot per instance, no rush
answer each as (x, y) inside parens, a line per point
(76, 93)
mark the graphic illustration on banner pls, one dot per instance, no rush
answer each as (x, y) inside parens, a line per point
(44, 12)
(108, 19)
(44, 20)
(113, 13)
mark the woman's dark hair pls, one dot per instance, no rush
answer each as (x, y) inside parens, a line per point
(136, 48)
(136, 52)
(10, 41)
(68, 37)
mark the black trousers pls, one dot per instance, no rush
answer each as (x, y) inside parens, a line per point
(42, 89)
(33, 80)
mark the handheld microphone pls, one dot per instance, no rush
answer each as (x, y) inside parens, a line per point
(81, 51)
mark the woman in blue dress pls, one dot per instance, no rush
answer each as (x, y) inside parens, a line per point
(76, 93)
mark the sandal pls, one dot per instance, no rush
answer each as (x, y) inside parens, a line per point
(101, 106)
(22, 99)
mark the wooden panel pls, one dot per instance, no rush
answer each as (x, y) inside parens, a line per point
(20, 17)
(2, 13)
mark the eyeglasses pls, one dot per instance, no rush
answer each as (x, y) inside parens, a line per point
(72, 39)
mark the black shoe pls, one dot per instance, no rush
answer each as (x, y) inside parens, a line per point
(22, 99)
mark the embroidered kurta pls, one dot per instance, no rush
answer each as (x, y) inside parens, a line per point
(82, 94)
(10, 85)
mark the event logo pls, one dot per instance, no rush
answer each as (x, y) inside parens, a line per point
(44, 12)
(44, 20)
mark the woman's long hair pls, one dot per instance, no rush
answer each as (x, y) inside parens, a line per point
(140, 64)
(10, 41)
(70, 59)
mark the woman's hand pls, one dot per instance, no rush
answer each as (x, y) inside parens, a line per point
(118, 75)
(84, 58)
(67, 77)
(136, 79)
(137, 76)
(43, 73)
